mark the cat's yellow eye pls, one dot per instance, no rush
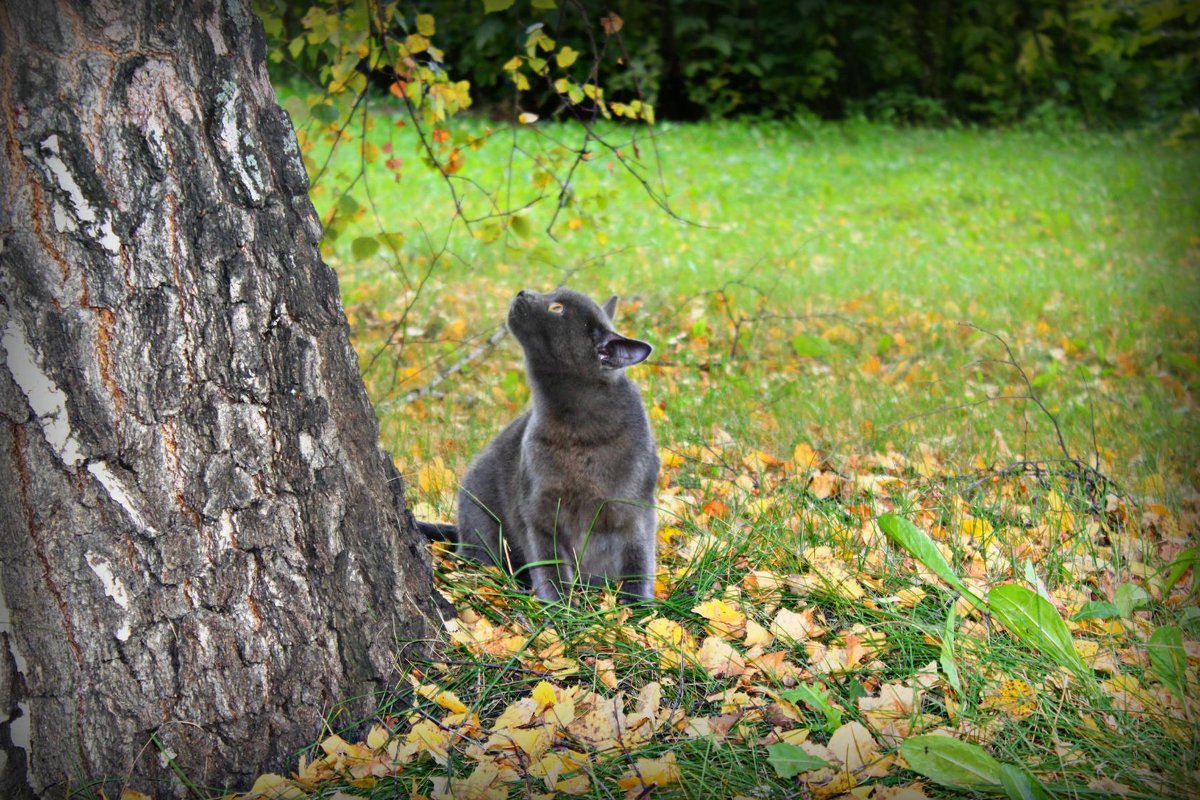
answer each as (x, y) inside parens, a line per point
(555, 308)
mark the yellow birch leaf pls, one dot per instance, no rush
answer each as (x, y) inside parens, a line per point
(431, 739)
(720, 658)
(794, 627)
(426, 25)
(854, 746)
(805, 457)
(416, 43)
(543, 695)
(670, 640)
(757, 635)
(378, 737)
(648, 773)
(269, 787)
(606, 672)
(516, 715)
(567, 56)
(723, 618)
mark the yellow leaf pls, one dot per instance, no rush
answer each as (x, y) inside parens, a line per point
(805, 457)
(447, 700)
(416, 43)
(824, 484)
(337, 747)
(760, 461)
(543, 695)
(516, 715)
(269, 787)
(378, 737)
(670, 640)
(669, 458)
(648, 773)
(425, 24)
(757, 635)
(723, 618)
(602, 726)
(795, 627)
(720, 658)
(976, 528)
(434, 478)
(853, 745)
(577, 785)
(134, 794)
(533, 741)
(430, 738)
(606, 672)
(567, 56)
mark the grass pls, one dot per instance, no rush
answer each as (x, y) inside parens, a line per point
(813, 371)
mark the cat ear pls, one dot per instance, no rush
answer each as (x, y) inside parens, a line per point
(617, 352)
(610, 307)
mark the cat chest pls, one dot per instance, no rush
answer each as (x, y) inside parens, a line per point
(587, 489)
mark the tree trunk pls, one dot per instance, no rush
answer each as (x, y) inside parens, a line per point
(203, 548)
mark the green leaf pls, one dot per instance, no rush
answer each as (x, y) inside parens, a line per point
(790, 760)
(951, 762)
(364, 247)
(1020, 785)
(1096, 609)
(1187, 559)
(946, 657)
(492, 6)
(818, 698)
(808, 346)
(325, 112)
(1168, 659)
(545, 5)
(520, 225)
(393, 239)
(1130, 597)
(1033, 620)
(295, 46)
(921, 547)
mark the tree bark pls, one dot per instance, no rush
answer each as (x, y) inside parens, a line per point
(203, 548)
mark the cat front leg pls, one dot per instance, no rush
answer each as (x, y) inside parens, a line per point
(638, 565)
(549, 569)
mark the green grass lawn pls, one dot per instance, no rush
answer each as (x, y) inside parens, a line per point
(832, 319)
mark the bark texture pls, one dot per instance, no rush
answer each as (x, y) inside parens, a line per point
(203, 547)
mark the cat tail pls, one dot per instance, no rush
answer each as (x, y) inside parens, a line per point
(438, 531)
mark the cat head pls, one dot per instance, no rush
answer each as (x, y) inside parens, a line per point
(567, 333)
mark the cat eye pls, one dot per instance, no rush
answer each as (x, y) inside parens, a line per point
(555, 308)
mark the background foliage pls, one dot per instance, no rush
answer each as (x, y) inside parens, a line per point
(989, 61)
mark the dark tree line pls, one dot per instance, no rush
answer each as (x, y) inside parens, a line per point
(925, 61)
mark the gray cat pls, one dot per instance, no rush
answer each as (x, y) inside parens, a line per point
(566, 491)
